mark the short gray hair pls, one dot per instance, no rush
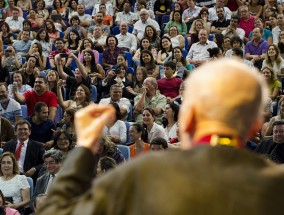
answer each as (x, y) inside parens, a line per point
(55, 154)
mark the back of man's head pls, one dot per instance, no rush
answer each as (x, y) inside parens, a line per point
(222, 97)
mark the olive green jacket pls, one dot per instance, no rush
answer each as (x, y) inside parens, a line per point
(202, 181)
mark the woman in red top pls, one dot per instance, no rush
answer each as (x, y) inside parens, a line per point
(138, 146)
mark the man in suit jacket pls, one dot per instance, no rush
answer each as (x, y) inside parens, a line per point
(30, 158)
(52, 161)
(212, 174)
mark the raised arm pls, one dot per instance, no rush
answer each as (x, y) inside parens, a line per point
(59, 66)
(61, 102)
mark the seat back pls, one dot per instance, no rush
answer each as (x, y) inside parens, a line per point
(31, 183)
(127, 124)
(24, 111)
(125, 151)
(94, 93)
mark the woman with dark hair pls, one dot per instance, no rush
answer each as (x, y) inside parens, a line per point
(147, 61)
(137, 136)
(12, 184)
(30, 69)
(67, 123)
(82, 97)
(152, 34)
(219, 40)
(274, 60)
(37, 22)
(204, 15)
(108, 148)
(20, 79)
(7, 210)
(36, 50)
(177, 7)
(60, 8)
(40, 10)
(73, 41)
(183, 69)
(119, 6)
(94, 70)
(215, 53)
(6, 34)
(27, 26)
(152, 128)
(111, 53)
(42, 37)
(140, 76)
(63, 142)
(166, 50)
(255, 8)
(171, 119)
(87, 44)
(105, 163)
(116, 129)
(158, 144)
(177, 21)
(11, 60)
(72, 9)
(52, 32)
(75, 24)
(144, 45)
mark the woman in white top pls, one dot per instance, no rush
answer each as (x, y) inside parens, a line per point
(20, 83)
(153, 129)
(42, 37)
(12, 184)
(170, 119)
(116, 129)
(176, 38)
(274, 60)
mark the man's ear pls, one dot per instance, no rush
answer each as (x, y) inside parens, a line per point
(187, 127)
(256, 126)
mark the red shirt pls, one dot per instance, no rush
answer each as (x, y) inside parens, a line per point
(169, 87)
(248, 25)
(49, 98)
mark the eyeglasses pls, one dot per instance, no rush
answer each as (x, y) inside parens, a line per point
(62, 139)
(49, 163)
(173, 30)
(143, 14)
(244, 11)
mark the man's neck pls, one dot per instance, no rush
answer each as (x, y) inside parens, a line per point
(222, 20)
(5, 101)
(40, 93)
(256, 41)
(36, 120)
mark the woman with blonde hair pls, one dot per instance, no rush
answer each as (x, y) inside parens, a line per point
(274, 60)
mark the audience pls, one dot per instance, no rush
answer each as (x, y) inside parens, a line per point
(149, 77)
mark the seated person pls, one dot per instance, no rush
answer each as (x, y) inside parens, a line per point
(105, 163)
(23, 46)
(116, 97)
(115, 130)
(19, 80)
(118, 76)
(158, 144)
(31, 70)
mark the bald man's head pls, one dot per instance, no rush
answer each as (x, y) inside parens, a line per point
(226, 96)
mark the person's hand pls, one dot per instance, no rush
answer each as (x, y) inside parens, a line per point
(48, 144)
(114, 138)
(89, 124)
(111, 74)
(130, 90)
(60, 83)
(8, 204)
(57, 58)
(14, 89)
(30, 172)
(144, 90)
(36, 54)
(179, 64)
(118, 80)
(71, 55)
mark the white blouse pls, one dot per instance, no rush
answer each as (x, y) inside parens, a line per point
(118, 129)
(12, 188)
(172, 133)
(157, 131)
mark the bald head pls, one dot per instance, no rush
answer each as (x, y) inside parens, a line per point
(222, 99)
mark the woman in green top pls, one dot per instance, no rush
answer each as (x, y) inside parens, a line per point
(273, 84)
(177, 21)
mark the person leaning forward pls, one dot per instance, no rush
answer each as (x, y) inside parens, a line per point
(212, 174)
